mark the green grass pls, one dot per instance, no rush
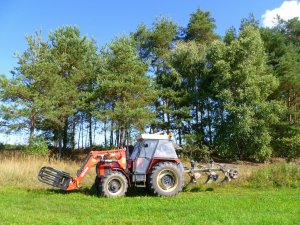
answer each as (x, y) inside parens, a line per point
(276, 175)
(217, 206)
(264, 194)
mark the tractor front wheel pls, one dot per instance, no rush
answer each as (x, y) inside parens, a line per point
(114, 185)
(166, 179)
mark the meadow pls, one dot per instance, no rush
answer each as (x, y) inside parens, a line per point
(264, 194)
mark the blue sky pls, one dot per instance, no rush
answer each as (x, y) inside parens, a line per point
(104, 20)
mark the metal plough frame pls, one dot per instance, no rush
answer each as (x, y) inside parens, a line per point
(210, 170)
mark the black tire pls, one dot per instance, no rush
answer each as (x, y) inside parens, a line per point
(166, 179)
(114, 185)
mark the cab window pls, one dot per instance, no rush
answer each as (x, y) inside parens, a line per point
(148, 148)
(165, 149)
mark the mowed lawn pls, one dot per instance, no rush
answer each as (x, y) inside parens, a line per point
(217, 206)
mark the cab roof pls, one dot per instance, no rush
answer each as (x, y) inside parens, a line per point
(155, 136)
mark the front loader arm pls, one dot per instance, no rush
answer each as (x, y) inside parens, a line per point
(63, 180)
(91, 160)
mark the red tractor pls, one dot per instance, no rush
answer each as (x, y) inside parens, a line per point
(153, 164)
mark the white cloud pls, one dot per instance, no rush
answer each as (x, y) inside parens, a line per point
(288, 10)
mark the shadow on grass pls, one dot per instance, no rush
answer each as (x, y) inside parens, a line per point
(131, 192)
(191, 188)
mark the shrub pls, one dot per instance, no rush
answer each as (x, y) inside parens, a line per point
(196, 152)
(2, 146)
(14, 147)
(38, 146)
(276, 175)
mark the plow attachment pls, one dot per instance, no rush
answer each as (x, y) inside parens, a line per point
(213, 172)
(54, 177)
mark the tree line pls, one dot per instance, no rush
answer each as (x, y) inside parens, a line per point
(235, 96)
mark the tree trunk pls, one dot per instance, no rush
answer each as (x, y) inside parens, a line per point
(94, 131)
(79, 133)
(117, 141)
(196, 115)
(202, 122)
(209, 126)
(122, 137)
(82, 132)
(111, 137)
(65, 133)
(180, 134)
(73, 141)
(90, 129)
(60, 143)
(31, 132)
(105, 134)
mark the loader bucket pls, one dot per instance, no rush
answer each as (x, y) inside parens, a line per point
(54, 177)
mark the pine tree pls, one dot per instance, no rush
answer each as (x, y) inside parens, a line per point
(156, 44)
(25, 93)
(124, 87)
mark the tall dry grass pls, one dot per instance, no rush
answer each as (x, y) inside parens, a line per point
(17, 170)
(22, 171)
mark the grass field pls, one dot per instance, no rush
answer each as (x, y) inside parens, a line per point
(24, 200)
(220, 206)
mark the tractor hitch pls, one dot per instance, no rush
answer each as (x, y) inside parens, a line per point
(54, 177)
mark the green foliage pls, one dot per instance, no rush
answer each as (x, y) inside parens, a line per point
(13, 147)
(125, 89)
(290, 146)
(37, 147)
(238, 96)
(2, 146)
(242, 85)
(282, 45)
(24, 94)
(276, 175)
(201, 27)
(196, 152)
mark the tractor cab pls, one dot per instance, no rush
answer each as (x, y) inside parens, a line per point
(149, 150)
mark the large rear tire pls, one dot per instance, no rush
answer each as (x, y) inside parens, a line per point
(114, 185)
(166, 179)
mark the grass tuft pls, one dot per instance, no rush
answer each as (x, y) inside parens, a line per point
(276, 175)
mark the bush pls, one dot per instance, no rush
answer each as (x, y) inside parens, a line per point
(2, 146)
(14, 147)
(38, 147)
(290, 146)
(197, 153)
(276, 175)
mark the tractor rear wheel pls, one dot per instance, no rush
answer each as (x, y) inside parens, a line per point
(166, 179)
(114, 185)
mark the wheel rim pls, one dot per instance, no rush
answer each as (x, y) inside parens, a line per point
(114, 186)
(167, 180)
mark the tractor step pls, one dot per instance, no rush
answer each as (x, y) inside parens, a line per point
(54, 177)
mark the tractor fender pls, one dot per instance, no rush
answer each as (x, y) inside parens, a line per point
(108, 168)
(158, 160)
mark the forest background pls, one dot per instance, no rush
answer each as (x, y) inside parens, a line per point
(234, 97)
